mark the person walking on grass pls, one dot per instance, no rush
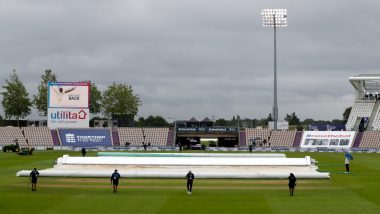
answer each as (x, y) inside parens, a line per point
(292, 183)
(115, 180)
(33, 177)
(347, 163)
(190, 179)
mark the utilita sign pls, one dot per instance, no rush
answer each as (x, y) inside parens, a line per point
(68, 118)
(68, 104)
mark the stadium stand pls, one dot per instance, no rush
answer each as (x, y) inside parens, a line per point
(358, 139)
(55, 137)
(252, 134)
(375, 125)
(170, 141)
(282, 139)
(361, 108)
(371, 139)
(135, 136)
(297, 139)
(365, 112)
(38, 136)
(243, 138)
(156, 136)
(115, 137)
(10, 134)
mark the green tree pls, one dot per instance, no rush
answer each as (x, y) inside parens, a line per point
(232, 122)
(248, 123)
(16, 102)
(292, 119)
(262, 122)
(95, 99)
(152, 121)
(119, 99)
(40, 100)
(221, 122)
(269, 118)
(308, 121)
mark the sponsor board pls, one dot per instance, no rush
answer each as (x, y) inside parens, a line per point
(327, 139)
(207, 129)
(85, 137)
(68, 94)
(68, 118)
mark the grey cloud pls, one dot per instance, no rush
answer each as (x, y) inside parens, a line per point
(197, 58)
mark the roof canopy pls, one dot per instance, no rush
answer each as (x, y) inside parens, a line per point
(366, 82)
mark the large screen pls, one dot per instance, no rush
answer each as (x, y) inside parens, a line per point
(68, 104)
(327, 139)
(68, 94)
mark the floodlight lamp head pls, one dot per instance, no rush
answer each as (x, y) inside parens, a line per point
(274, 17)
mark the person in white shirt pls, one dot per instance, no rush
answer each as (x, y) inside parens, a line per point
(60, 92)
(347, 162)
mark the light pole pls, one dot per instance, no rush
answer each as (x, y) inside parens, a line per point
(274, 18)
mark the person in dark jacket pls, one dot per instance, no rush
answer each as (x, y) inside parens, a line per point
(84, 152)
(33, 177)
(115, 180)
(292, 183)
(190, 179)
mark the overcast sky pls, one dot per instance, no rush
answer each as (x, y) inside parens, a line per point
(197, 58)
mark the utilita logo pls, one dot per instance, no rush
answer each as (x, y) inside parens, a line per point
(68, 115)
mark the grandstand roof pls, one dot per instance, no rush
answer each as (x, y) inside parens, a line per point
(206, 120)
(369, 82)
(193, 120)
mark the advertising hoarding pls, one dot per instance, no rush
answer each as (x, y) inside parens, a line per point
(68, 94)
(327, 139)
(207, 129)
(85, 137)
(68, 118)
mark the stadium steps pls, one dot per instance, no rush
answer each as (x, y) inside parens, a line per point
(115, 137)
(55, 137)
(374, 113)
(297, 139)
(360, 109)
(358, 139)
(242, 139)
(170, 141)
(357, 123)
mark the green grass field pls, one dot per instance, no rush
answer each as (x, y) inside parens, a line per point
(358, 192)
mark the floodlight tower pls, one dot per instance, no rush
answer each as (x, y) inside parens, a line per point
(274, 18)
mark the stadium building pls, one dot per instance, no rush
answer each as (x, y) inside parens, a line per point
(361, 133)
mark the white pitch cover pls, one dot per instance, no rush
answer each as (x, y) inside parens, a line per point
(177, 167)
